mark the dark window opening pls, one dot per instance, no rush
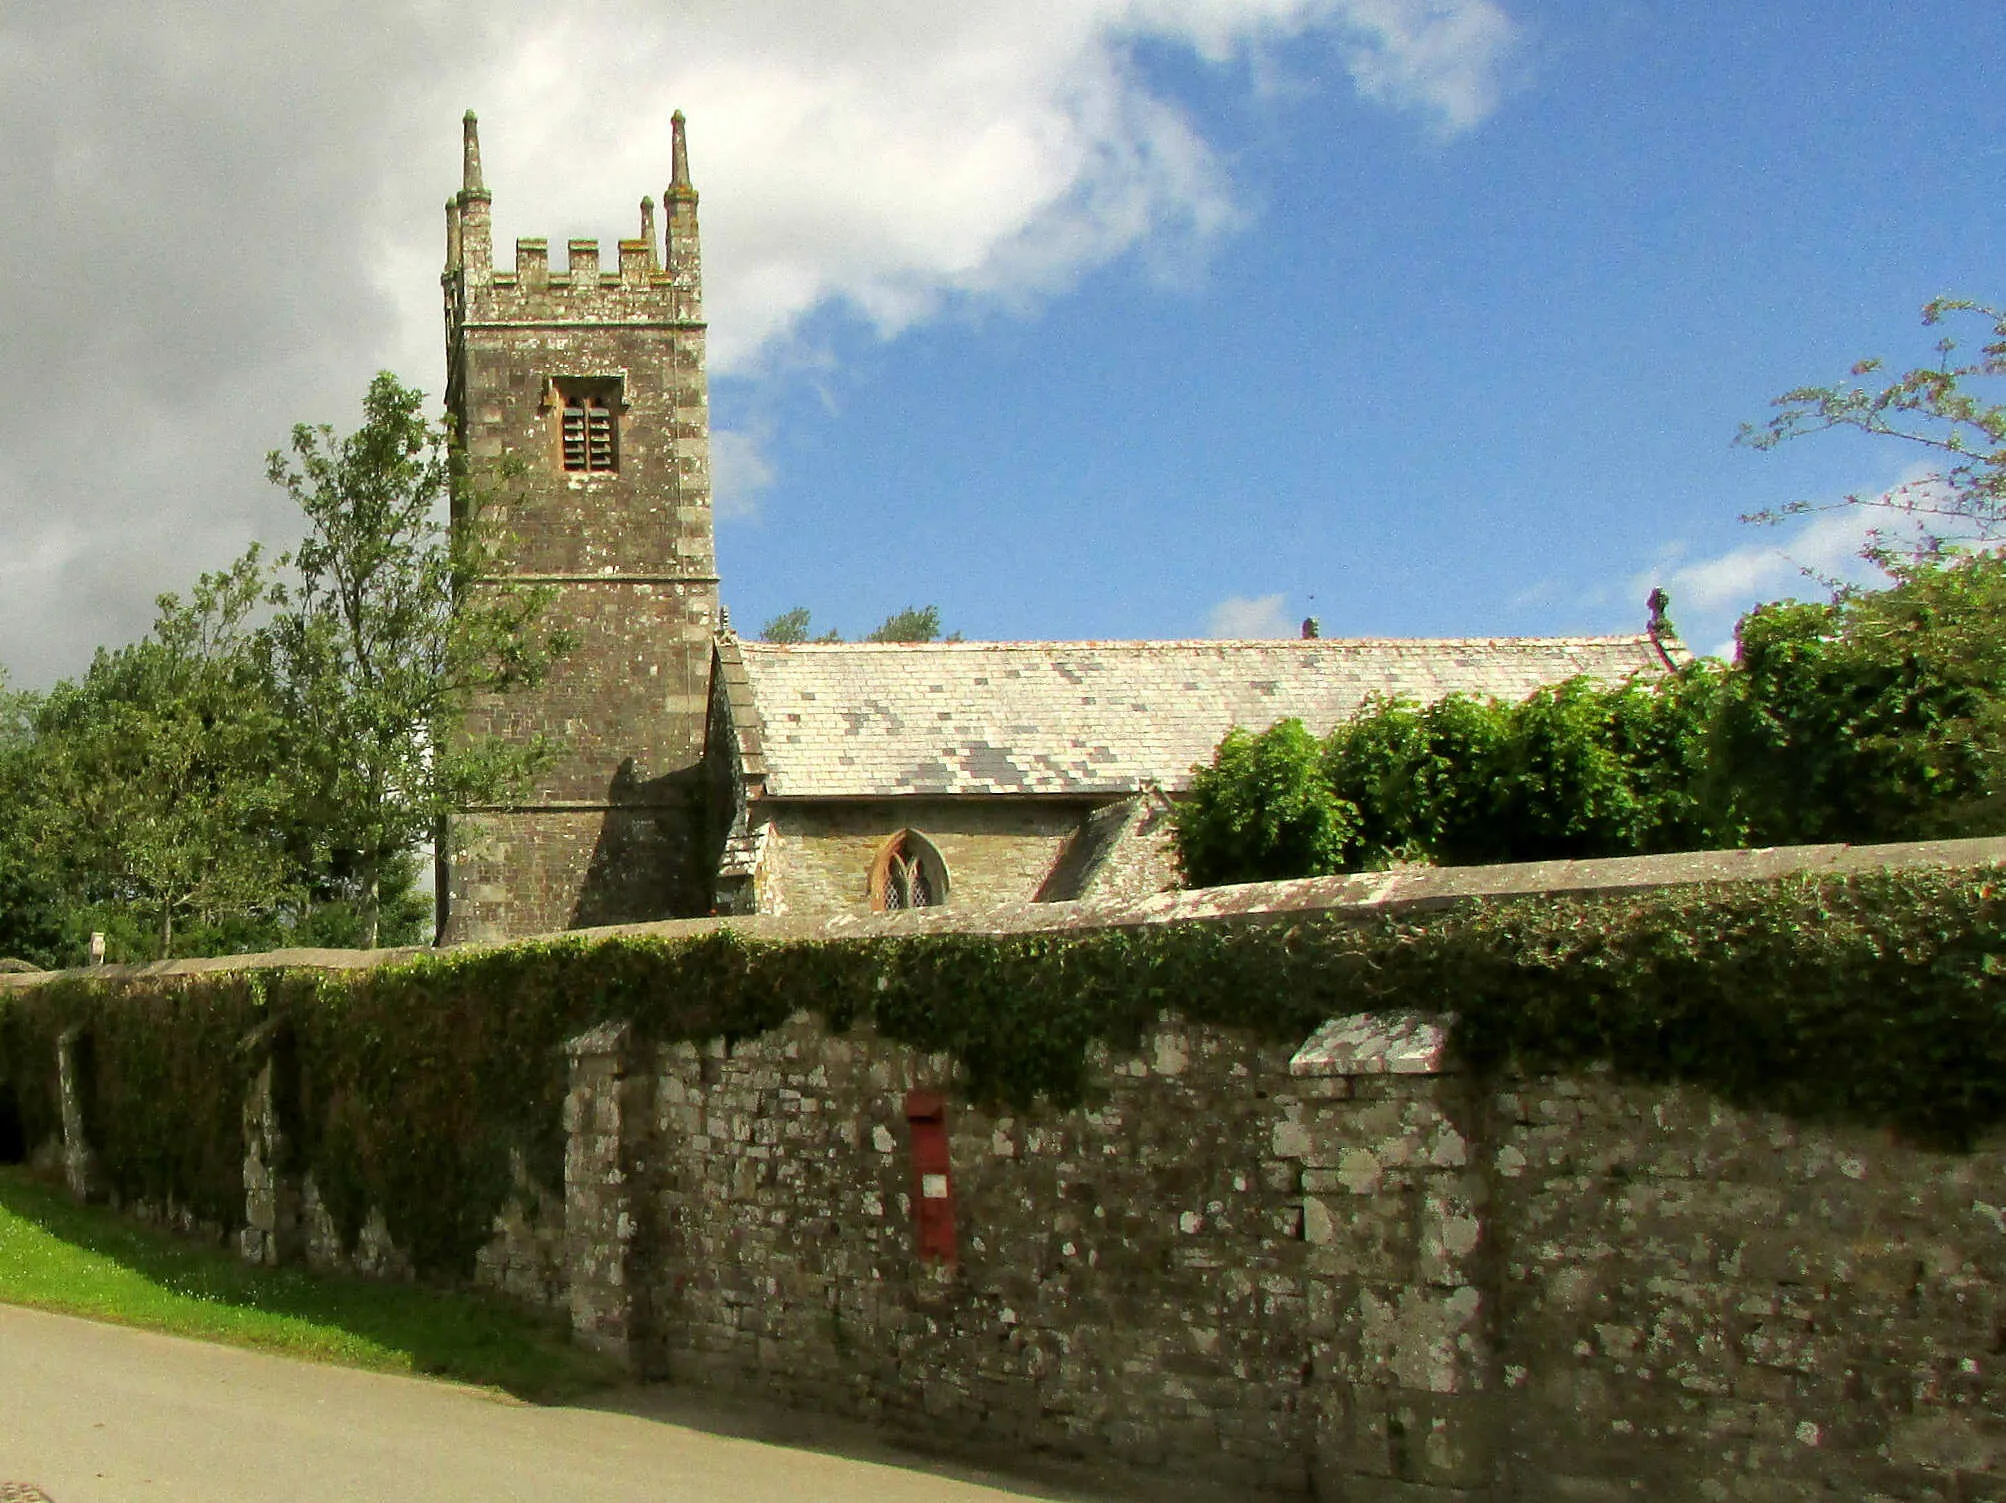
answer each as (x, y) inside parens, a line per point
(589, 435)
(587, 409)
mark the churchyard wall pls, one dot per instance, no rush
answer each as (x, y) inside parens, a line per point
(1350, 1264)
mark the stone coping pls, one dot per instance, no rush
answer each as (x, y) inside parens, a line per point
(1374, 1044)
(1361, 895)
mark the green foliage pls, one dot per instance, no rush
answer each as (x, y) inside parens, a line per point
(790, 628)
(1263, 810)
(155, 782)
(31, 891)
(1878, 716)
(261, 769)
(916, 623)
(391, 627)
(1874, 998)
(1576, 770)
(1944, 408)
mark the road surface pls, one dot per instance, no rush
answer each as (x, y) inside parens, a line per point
(94, 1413)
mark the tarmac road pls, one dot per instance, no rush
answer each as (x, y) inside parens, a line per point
(95, 1413)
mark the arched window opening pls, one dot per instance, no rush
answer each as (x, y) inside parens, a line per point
(908, 873)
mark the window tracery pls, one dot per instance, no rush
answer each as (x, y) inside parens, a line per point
(908, 873)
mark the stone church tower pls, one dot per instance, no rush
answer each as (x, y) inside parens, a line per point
(580, 396)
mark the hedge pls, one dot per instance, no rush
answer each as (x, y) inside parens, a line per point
(1878, 999)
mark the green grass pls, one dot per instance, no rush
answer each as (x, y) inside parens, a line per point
(77, 1260)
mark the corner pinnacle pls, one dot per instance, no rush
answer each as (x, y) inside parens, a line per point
(679, 175)
(470, 157)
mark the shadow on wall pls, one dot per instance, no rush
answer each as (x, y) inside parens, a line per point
(643, 866)
(13, 1139)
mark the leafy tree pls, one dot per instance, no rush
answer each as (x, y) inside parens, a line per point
(790, 628)
(1665, 730)
(1262, 811)
(1374, 763)
(31, 894)
(1880, 715)
(390, 628)
(916, 623)
(159, 776)
(1937, 407)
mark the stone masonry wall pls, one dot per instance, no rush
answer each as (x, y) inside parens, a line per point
(1120, 1287)
(1348, 1272)
(627, 556)
(1351, 1270)
(1706, 1303)
(1355, 1274)
(1123, 1288)
(999, 851)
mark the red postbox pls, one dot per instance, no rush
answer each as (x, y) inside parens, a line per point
(932, 1179)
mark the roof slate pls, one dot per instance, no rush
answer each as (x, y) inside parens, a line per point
(879, 720)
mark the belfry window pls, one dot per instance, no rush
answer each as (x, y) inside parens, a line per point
(588, 435)
(588, 413)
(908, 873)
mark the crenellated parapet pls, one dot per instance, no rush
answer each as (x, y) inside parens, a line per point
(652, 278)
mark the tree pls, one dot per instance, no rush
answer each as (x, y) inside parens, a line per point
(1262, 811)
(791, 628)
(160, 777)
(916, 623)
(1880, 715)
(31, 896)
(391, 625)
(1934, 407)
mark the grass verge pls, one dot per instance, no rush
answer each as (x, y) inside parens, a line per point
(78, 1260)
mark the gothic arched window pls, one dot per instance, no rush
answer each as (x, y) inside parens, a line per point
(908, 873)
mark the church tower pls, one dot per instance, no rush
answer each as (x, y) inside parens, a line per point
(579, 394)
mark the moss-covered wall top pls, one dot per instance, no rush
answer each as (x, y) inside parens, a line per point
(1877, 996)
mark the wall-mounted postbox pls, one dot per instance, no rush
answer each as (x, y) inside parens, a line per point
(933, 1185)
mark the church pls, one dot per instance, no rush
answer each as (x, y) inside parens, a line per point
(700, 773)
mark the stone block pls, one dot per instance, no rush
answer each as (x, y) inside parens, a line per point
(1374, 1044)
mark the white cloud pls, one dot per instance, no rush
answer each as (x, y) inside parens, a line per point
(739, 473)
(1798, 559)
(233, 211)
(1442, 56)
(894, 156)
(1250, 616)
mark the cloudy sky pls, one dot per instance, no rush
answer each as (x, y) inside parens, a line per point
(1075, 317)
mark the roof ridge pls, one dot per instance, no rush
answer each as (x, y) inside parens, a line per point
(1298, 643)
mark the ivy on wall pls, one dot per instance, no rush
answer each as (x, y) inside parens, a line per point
(1878, 999)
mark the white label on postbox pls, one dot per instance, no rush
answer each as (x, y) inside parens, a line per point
(933, 1186)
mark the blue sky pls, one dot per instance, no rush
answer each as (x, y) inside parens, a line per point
(1077, 318)
(1432, 384)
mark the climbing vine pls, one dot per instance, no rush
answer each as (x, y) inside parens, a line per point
(1877, 998)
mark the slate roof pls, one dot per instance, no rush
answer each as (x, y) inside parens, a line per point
(871, 720)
